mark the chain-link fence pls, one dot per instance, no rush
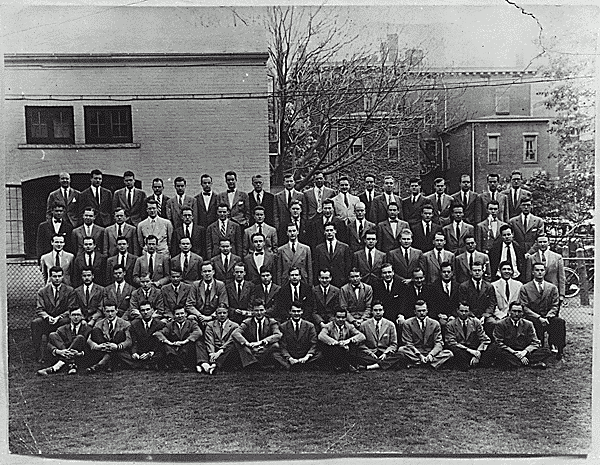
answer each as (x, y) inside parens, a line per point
(24, 278)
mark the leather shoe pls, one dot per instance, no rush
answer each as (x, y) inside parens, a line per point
(92, 369)
(45, 371)
(539, 366)
(559, 355)
(352, 369)
(72, 369)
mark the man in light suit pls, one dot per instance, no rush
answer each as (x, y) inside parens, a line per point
(507, 290)
(259, 226)
(327, 299)
(88, 229)
(131, 200)
(206, 203)
(240, 293)
(258, 258)
(218, 338)
(368, 195)
(259, 197)
(434, 258)
(89, 258)
(405, 258)
(154, 225)
(388, 231)
(333, 255)
(231, 230)
(174, 295)
(109, 342)
(89, 297)
(98, 198)
(515, 194)
(312, 199)
(191, 230)
(57, 257)
(283, 202)
(456, 231)
(120, 229)
(468, 342)
(158, 196)
(176, 204)
(339, 342)
(205, 296)
(425, 230)
(298, 343)
(464, 261)
(469, 201)
(369, 260)
(179, 338)
(344, 202)
(540, 301)
(356, 298)
(152, 263)
(493, 194)
(238, 202)
(119, 291)
(357, 229)
(480, 296)
(422, 338)
(291, 255)
(68, 197)
(487, 232)
(555, 269)
(411, 205)
(379, 207)
(379, 349)
(187, 261)
(441, 202)
(224, 263)
(526, 226)
(124, 258)
(53, 226)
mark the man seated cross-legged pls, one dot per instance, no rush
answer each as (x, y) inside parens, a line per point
(146, 350)
(179, 341)
(109, 342)
(340, 340)
(218, 338)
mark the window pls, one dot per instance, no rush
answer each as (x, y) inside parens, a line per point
(446, 157)
(49, 125)
(357, 146)
(14, 221)
(108, 125)
(502, 101)
(393, 152)
(493, 148)
(530, 148)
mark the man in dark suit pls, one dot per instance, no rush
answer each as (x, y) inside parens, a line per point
(191, 230)
(516, 340)
(294, 290)
(444, 295)
(369, 260)
(218, 339)
(224, 263)
(487, 232)
(480, 296)
(298, 341)
(56, 225)
(268, 291)
(146, 350)
(124, 258)
(507, 250)
(68, 197)
(469, 201)
(131, 200)
(259, 226)
(146, 293)
(187, 261)
(283, 201)
(441, 202)
(340, 341)
(206, 203)
(357, 229)
(89, 297)
(380, 205)
(333, 255)
(258, 196)
(411, 205)
(493, 194)
(464, 261)
(301, 224)
(87, 229)
(205, 296)
(312, 199)
(109, 342)
(118, 292)
(98, 198)
(390, 291)
(239, 294)
(425, 230)
(176, 204)
(456, 231)
(316, 226)
(327, 299)
(238, 202)
(388, 231)
(89, 258)
(527, 227)
(120, 229)
(223, 228)
(179, 341)
(52, 309)
(515, 193)
(293, 255)
(405, 258)
(158, 196)
(368, 196)
(415, 290)
(258, 258)
(174, 295)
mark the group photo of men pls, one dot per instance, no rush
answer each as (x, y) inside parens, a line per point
(328, 279)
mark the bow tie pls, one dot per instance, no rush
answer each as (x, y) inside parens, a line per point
(57, 221)
(230, 191)
(206, 193)
(393, 221)
(259, 253)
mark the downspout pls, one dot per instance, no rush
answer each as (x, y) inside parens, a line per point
(473, 158)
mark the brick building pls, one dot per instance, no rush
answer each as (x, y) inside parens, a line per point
(164, 92)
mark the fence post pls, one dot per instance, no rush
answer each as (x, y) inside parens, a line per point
(583, 277)
(565, 254)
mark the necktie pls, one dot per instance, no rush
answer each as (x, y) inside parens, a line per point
(494, 195)
(187, 230)
(360, 228)
(325, 293)
(508, 257)
(470, 261)
(260, 229)
(55, 289)
(439, 203)
(478, 286)
(346, 200)
(507, 291)
(543, 256)
(370, 256)
(98, 195)
(88, 259)
(129, 199)
(297, 330)
(176, 289)
(319, 200)
(330, 249)
(525, 222)
(427, 229)
(206, 294)
(186, 262)
(258, 199)
(239, 292)
(120, 232)
(406, 255)
(119, 290)
(87, 296)
(465, 199)
(293, 248)
(447, 286)
(57, 261)
(181, 200)
(357, 292)
(122, 259)
(289, 199)
(439, 256)
(223, 230)
(414, 199)
(464, 327)
(111, 331)
(296, 298)
(66, 195)
(151, 265)
(515, 200)
(226, 263)
(457, 232)
(159, 204)
(377, 330)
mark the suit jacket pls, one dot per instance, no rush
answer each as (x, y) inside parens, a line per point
(194, 269)
(71, 213)
(300, 345)
(45, 233)
(244, 300)
(239, 208)
(471, 210)
(356, 241)
(129, 265)
(189, 332)
(286, 259)
(78, 235)
(482, 303)
(48, 260)
(162, 206)
(172, 300)
(309, 202)
(98, 267)
(495, 255)
(331, 333)
(485, 198)
(519, 337)
(473, 337)
(284, 301)
(203, 216)
(217, 338)
(316, 230)
(441, 216)
(363, 198)
(555, 269)
(536, 305)
(343, 212)
(247, 331)
(368, 274)
(432, 268)
(339, 263)
(162, 269)
(174, 209)
(135, 212)
(138, 297)
(67, 336)
(515, 209)
(104, 326)
(535, 227)
(385, 342)
(441, 302)
(357, 308)
(386, 240)
(325, 307)
(271, 299)
(252, 271)
(455, 244)
(421, 240)
(198, 239)
(196, 303)
(222, 274)
(267, 201)
(410, 298)
(271, 241)
(213, 236)
(122, 302)
(111, 234)
(411, 212)
(427, 341)
(159, 227)
(143, 341)
(379, 208)
(486, 238)
(392, 301)
(502, 302)
(46, 305)
(462, 270)
(282, 213)
(401, 267)
(104, 210)
(92, 308)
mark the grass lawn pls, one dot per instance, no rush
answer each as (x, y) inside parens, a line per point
(413, 411)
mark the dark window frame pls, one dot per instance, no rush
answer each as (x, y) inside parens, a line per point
(108, 124)
(38, 116)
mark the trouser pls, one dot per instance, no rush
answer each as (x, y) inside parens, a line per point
(391, 359)
(264, 356)
(182, 356)
(227, 359)
(414, 356)
(308, 365)
(78, 343)
(338, 357)
(41, 327)
(556, 329)
(504, 357)
(102, 358)
(462, 358)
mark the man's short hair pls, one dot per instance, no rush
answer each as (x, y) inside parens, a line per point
(256, 177)
(420, 303)
(296, 202)
(205, 176)
(231, 173)
(446, 264)
(504, 227)
(515, 303)
(438, 180)
(393, 204)
(87, 268)
(426, 206)
(265, 269)
(413, 180)
(152, 202)
(122, 238)
(258, 301)
(96, 172)
(90, 209)
(327, 202)
(58, 204)
(179, 179)
(158, 180)
(55, 269)
(150, 237)
(189, 209)
(493, 202)
(223, 205)
(343, 178)
(476, 263)
(493, 175)
(89, 238)
(258, 208)
(128, 174)
(505, 263)
(118, 266)
(257, 234)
